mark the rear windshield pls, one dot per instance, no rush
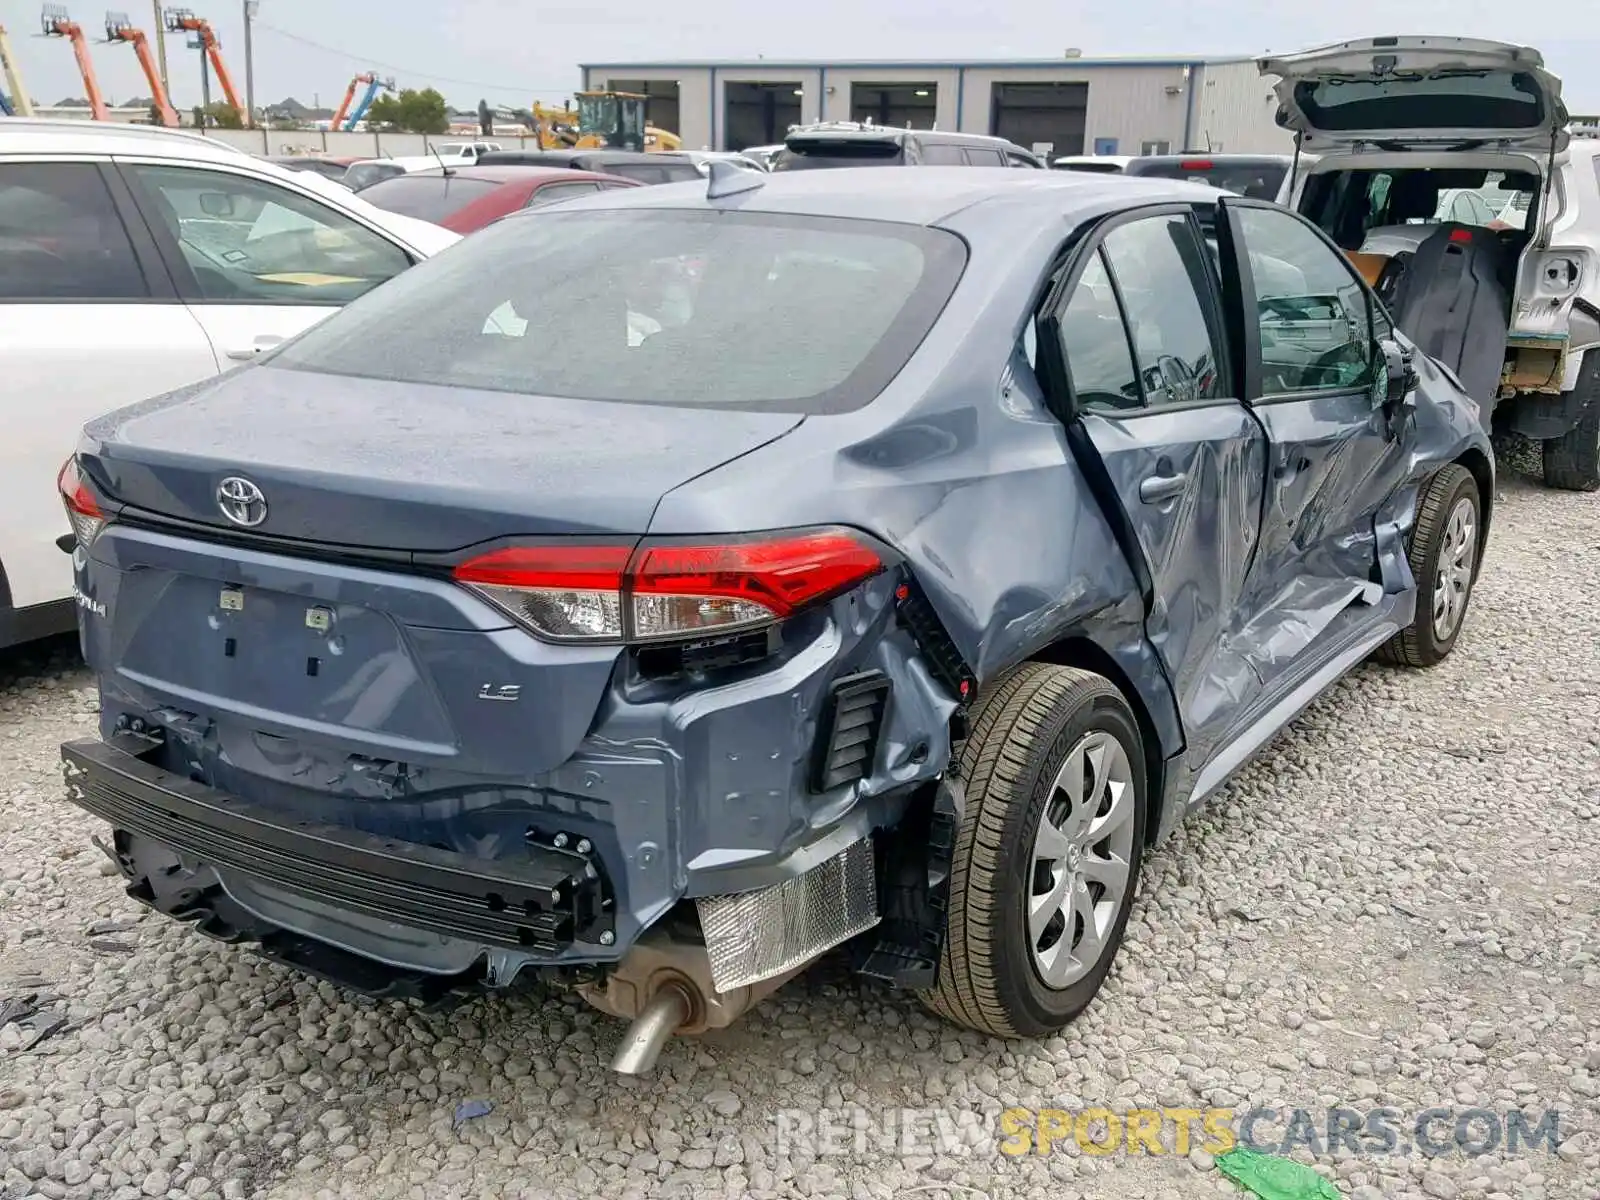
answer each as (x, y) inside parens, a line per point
(695, 308)
(1096, 168)
(1261, 181)
(1414, 100)
(317, 166)
(811, 153)
(647, 173)
(363, 175)
(427, 197)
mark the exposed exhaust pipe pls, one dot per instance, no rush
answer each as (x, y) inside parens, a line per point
(667, 1010)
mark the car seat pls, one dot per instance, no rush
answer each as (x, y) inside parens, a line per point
(1451, 302)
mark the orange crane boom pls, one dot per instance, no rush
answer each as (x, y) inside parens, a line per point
(349, 99)
(58, 24)
(181, 20)
(120, 29)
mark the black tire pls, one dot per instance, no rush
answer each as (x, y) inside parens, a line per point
(1419, 644)
(1022, 731)
(1572, 461)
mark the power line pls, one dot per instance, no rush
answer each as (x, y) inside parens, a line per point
(399, 70)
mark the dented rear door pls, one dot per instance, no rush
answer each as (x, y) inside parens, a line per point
(1157, 426)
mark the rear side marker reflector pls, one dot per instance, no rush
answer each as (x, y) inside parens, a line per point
(82, 509)
(667, 589)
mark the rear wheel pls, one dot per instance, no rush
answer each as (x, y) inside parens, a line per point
(1444, 562)
(1047, 857)
(1572, 461)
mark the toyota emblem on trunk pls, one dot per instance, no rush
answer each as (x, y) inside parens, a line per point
(241, 501)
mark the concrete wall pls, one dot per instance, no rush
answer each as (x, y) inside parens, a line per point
(344, 145)
(1236, 110)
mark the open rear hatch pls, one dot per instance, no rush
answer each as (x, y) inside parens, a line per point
(1404, 93)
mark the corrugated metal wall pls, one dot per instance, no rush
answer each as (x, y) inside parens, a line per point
(1135, 105)
(1236, 109)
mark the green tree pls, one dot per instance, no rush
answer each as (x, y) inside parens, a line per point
(412, 111)
(224, 116)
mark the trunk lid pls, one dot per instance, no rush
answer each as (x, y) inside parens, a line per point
(401, 467)
(1419, 92)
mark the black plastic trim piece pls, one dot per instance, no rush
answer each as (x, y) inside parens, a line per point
(914, 893)
(539, 904)
(944, 659)
(848, 729)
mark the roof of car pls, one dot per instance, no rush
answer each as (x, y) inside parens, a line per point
(67, 136)
(919, 196)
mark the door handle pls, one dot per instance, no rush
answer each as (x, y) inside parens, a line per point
(265, 341)
(1155, 488)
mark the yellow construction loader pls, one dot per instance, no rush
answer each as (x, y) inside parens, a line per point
(616, 121)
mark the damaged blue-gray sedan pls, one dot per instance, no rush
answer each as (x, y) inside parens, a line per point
(660, 590)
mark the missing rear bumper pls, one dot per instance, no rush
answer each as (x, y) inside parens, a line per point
(540, 904)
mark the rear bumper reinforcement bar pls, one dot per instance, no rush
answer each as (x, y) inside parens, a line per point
(539, 903)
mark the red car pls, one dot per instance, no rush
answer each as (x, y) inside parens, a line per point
(321, 164)
(467, 198)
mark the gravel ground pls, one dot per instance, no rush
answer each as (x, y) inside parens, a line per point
(1398, 906)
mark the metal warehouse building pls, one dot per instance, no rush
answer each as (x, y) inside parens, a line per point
(1070, 105)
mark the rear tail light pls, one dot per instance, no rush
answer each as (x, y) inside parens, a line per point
(667, 589)
(82, 509)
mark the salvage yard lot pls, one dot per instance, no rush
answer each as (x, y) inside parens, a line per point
(1398, 905)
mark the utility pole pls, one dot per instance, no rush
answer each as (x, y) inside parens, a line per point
(250, 9)
(161, 46)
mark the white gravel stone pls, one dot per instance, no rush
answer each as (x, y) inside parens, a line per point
(1453, 814)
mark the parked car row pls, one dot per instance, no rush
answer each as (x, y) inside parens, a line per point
(653, 584)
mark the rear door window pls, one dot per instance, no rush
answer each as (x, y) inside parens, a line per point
(941, 154)
(1161, 276)
(61, 237)
(1094, 342)
(248, 241)
(979, 157)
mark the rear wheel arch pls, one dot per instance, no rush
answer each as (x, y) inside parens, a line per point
(1477, 462)
(1088, 655)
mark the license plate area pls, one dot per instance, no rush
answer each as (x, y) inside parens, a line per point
(273, 653)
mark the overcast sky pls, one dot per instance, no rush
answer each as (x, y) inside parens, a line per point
(511, 53)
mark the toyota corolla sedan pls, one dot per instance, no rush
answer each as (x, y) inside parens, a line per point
(892, 580)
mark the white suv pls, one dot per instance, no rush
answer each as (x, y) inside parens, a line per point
(135, 260)
(1401, 127)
